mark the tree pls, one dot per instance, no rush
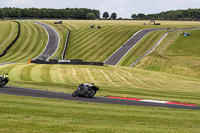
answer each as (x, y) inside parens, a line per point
(113, 16)
(133, 16)
(105, 15)
(91, 16)
(1, 13)
(141, 16)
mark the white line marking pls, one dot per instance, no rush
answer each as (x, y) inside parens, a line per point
(151, 50)
(154, 101)
(58, 42)
(47, 41)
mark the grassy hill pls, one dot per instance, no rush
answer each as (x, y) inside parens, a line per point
(30, 44)
(84, 40)
(8, 31)
(182, 56)
(93, 44)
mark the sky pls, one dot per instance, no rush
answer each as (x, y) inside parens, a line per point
(123, 8)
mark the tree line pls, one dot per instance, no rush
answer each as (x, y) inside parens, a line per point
(73, 13)
(84, 13)
(107, 16)
(189, 14)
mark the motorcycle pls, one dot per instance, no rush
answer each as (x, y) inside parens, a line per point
(85, 91)
(3, 81)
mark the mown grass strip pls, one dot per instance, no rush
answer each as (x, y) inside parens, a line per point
(31, 42)
(176, 54)
(13, 41)
(24, 114)
(8, 31)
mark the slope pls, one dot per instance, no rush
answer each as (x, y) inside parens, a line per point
(8, 31)
(31, 43)
(177, 54)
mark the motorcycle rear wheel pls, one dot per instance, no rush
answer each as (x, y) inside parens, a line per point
(90, 93)
(2, 84)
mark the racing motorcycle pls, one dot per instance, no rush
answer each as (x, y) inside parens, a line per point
(85, 91)
(3, 81)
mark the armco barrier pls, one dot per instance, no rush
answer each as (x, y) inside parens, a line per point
(67, 62)
(10, 45)
(66, 44)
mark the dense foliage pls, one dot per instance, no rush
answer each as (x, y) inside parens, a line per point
(105, 15)
(189, 14)
(74, 13)
(113, 16)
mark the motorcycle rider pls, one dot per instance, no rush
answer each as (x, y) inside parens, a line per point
(4, 80)
(85, 86)
(4, 76)
(85, 90)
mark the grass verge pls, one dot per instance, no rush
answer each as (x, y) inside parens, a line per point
(27, 114)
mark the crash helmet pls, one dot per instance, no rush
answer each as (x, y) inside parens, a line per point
(92, 84)
(5, 75)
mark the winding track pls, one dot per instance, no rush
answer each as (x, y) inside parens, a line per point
(118, 55)
(53, 41)
(113, 60)
(64, 96)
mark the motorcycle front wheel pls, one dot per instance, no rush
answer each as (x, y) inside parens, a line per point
(90, 93)
(75, 93)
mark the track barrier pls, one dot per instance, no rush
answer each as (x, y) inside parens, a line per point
(66, 62)
(66, 44)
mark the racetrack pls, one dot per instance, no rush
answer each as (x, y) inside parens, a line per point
(64, 96)
(116, 57)
(51, 49)
(53, 41)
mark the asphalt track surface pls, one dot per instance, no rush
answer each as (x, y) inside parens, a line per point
(125, 48)
(64, 96)
(53, 41)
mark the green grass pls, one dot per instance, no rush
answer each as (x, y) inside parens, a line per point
(8, 31)
(95, 44)
(92, 44)
(113, 81)
(28, 114)
(171, 75)
(30, 44)
(179, 57)
(98, 44)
